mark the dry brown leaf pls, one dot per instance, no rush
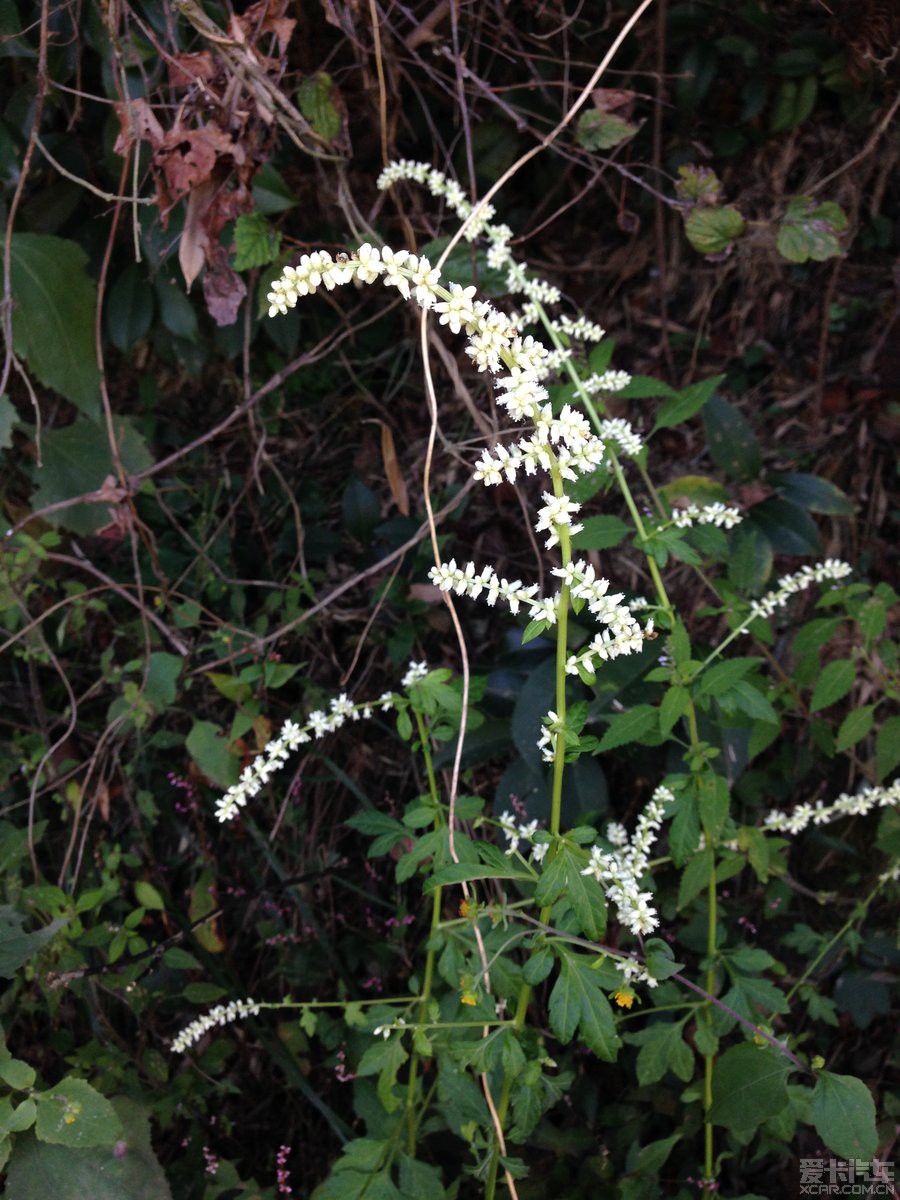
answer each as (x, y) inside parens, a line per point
(392, 470)
(194, 242)
(188, 69)
(137, 122)
(223, 287)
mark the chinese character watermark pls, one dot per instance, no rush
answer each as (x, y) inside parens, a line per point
(855, 1177)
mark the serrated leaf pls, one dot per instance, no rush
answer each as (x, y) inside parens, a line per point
(578, 1002)
(628, 727)
(810, 231)
(600, 130)
(72, 1113)
(748, 1087)
(855, 726)
(712, 230)
(843, 1113)
(833, 684)
(256, 243)
(601, 533)
(695, 877)
(314, 101)
(54, 309)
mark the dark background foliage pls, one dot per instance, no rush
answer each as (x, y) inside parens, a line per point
(217, 520)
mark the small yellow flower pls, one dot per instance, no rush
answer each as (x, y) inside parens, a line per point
(465, 908)
(625, 997)
(468, 998)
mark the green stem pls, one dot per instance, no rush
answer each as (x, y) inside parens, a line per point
(425, 995)
(710, 985)
(855, 916)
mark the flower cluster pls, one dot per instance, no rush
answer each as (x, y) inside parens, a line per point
(846, 805)
(514, 833)
(788, 585)
(623, 634)
(222, 1014)
(385, 1031)
(277, 752)
(608, 381)
(415, 671)
(621, 869)
(725, 516)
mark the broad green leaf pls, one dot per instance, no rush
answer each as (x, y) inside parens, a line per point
(129, 308)
(719, 678)
(695, 876)
(54, 309)
(793, 102)
(811, 231)
(686, 403)
(750, 560)
(693, 489)
(843, 1113)
(314, 101)
(579, 1001)
(712, 230)
(601, 533)
(833, 684)
(675, 703)
(17, 946)
(697, 185)
(203, 993)
(148, 896)
(646, 387)
(887, 748)
(600, 130)
(270, 192)
(76, 460)
(790, 529)
(127, 1170)
(17, 1074)
(211, 753)
(731, 441)
(72, 1113)
(160, 687)
(748, 1087)
(855, 726)
(256, 243)
(629, 726)
(814, 493)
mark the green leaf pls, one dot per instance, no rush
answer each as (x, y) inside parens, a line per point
(16, 946)
(72, 1113)
(843, 1113)
(750, 560)
(675, 703)
(129, 308)
(270, 192)
(697, 185)
(18, 1119)
(127, 1170)
(833, 684)
(211, 753)
(686, 403)
(54, 309)
(256, 243)
(629, 726)
(76, 460)
(600, 130)
(790, 529)
(578, 1001)
(695, 876)
(731, 441)
(748, 1087)
(814, 493)
(465, 872)
(585, 894)
(17, 1074)
(8, 418)
(203, 993)
(314, 101)
(712, 230)
(601, 533)
(810, 231)
(887, 748)
(148, 896)
(719, 678)
(854, 727)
